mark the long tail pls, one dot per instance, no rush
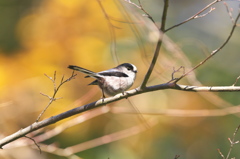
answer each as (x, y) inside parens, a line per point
(83, 70)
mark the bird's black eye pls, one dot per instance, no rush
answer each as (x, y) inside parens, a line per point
(128, 68)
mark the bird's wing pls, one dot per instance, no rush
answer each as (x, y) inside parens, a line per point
(109, 72)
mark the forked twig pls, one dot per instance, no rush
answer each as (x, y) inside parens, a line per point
(55, 90)
(197, 15)
(174, 71)
(232, 143)
(214, 52)
(141, 8)
(34, 143)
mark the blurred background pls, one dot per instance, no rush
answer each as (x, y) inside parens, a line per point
(40, 37)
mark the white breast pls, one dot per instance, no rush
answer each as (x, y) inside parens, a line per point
(114, 85)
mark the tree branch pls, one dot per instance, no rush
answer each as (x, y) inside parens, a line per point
(37, 125)
(159, 44)
(197, 15)
(232, 143)
(214, 52)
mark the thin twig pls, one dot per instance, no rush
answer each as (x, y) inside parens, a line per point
(141, 8)
(221, 154)
(236, 81)
(232, 141)
(179, 55)
(174, 71)
(55, 88)
(35, 143)
(203, 15)
(229, 12)
(146, 13)
(197, 15)
(130, 2)
(213, 52)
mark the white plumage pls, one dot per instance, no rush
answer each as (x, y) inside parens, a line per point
(112, 81)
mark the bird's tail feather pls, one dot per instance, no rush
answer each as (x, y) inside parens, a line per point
(83, 70)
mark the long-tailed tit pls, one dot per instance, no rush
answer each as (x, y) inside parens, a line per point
(112, 81)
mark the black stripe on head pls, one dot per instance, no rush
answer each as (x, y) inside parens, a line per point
(116, 74)
(127, 65)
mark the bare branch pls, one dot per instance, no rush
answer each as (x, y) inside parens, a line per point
(192, 79)
(219, 151)
(79, 119)
(229, 12)
(130, 2)
(70, 151)
(232, 143)
(141, 8)
(142, 89)
(159, 44)
(207, 88)
(197, 15)
(54, 119)
(46, 95)
(203, 15)
(175, 71)
(35, 143)
(42, 136)
(214, 52)
(55, 88)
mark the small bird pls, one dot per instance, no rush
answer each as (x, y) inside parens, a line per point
(112, 81)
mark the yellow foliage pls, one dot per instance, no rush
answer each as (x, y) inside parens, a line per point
(58, 33)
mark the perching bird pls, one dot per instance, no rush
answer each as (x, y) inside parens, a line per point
(112, 81)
